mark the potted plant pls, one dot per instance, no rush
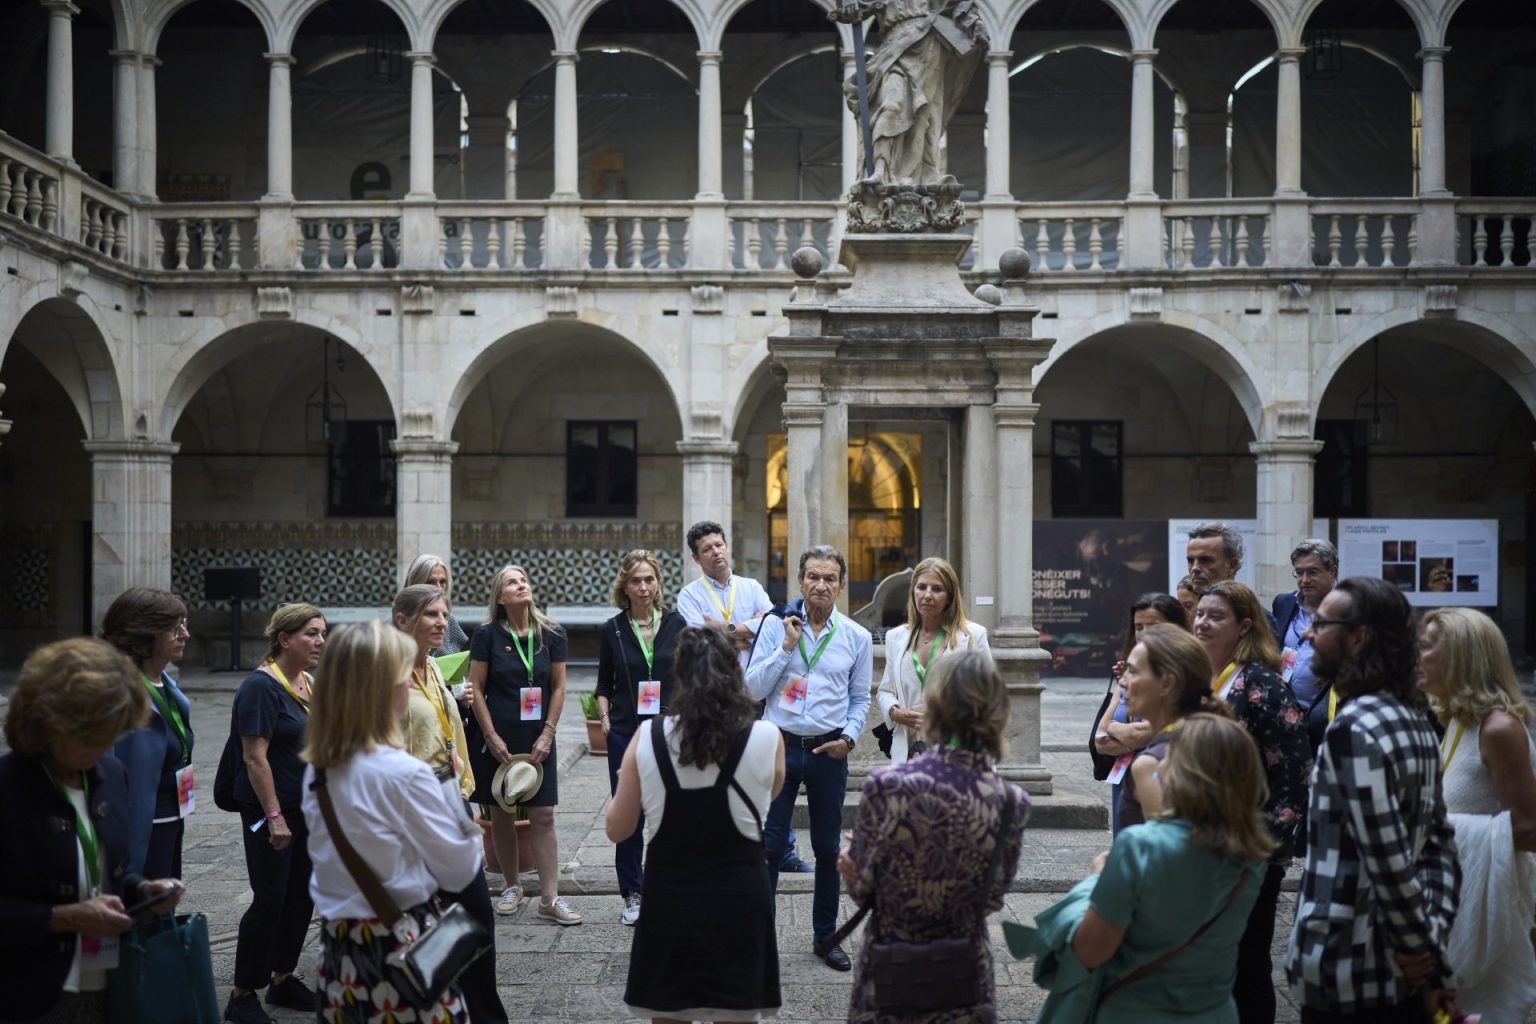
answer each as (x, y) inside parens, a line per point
(597, 743)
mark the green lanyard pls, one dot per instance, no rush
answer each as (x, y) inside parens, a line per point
(90, 843)
(167, 710)
(525, 658)
(811, 660)
(922, 667)
(649, 650)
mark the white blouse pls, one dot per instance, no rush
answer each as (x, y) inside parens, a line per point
(754, 773)
(899, 685)
(394, 813)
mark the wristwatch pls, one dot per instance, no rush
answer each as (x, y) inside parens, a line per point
(730, 627)
(848, 740)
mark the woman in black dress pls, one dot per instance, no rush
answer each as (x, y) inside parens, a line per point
(704, 776)
(634, 684)
(517, 677)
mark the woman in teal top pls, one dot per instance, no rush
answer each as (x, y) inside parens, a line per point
(1182, 884)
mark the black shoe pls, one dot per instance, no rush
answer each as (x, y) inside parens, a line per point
(294, 994)
(794, 865)
(246, 1009)
(837, 959)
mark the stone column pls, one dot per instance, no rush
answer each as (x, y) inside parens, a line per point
(1432, 122)
(130, 518)
(706, 489)
(125, 121)
(149, 140)
(709, 125)
(567, 136)
(280, 127)
(60, 130)
(423, 185)
(423, 499)
(1288, 122)
(980, 502)
(1143, 124)
(1284, 507)
(999, 227)
(833, 456)
(803, 424)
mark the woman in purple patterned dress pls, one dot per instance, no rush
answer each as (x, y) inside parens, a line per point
(926, 833)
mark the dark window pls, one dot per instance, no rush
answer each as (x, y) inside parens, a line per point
(1085, 469)
(1339, 479)
(360, 470)
(600, 468)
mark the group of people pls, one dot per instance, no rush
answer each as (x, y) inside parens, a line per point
(1416, 894)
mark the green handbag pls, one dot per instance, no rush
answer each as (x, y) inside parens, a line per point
(164, 974)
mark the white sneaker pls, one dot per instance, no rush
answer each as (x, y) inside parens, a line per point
(631, 912)
(509, 902)
(559, 912)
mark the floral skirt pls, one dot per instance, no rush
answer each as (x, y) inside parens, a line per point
(354, 987)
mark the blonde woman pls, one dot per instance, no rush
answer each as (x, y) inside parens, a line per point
(634, 685)
(432, 569)
(1183, 883)
(434, 733)
(1486, 759)
(936, 625)
(391, 810)
(517, 685)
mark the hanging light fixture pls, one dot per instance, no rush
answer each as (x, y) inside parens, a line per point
(1325, 53)
(325, 411)
(386, 60)
(1376, 408)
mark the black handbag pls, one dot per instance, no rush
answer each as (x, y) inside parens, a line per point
(933, 976)
(883, 737)
(1102, 763)
(423, 968)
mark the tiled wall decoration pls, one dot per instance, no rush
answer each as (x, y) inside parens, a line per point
(26, 573)
(569, 562)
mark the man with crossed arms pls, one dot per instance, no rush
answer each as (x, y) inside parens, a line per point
(815, 676)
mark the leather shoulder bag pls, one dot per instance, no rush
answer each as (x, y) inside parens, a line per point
(423, 968)
(929, 977)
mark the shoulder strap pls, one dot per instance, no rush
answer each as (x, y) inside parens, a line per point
(733, 759)
(1148, 968)
(373, 890)
(663, 755)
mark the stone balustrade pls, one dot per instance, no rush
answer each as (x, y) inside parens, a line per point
(203, 237)
(491, 235)
(1071, 236)
(29, 186)
(105, 221)
(1202, 234)
(348, 236)
(1497, 233)
(764, 235)
(1364, 232)
(635, 236)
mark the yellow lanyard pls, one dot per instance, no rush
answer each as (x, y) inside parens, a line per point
(725, 609)
(1221, 680)
(1333, 703)
(300, 701)
(437, 702)
(1455, 742)
(1167, 728)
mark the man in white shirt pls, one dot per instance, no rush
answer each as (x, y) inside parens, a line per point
(816, 679)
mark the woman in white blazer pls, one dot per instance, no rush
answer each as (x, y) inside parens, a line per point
(936, 625)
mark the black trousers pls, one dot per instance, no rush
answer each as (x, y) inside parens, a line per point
(478, 982)
(164, 857)
(271, 935)
(1410, 1011)
(1254, 990)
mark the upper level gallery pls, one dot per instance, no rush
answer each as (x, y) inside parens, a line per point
(160, 139)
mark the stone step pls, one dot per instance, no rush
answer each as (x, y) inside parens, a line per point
(1059, 810)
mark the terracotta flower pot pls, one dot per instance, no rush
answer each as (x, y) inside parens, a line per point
(597, 743)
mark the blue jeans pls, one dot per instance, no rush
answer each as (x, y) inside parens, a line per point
(628, 855)
(826, 784)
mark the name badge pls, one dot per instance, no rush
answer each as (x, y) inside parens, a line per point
(792, 697)
(648, 697)
(1118, 771)
(186, 792)
(532, 703)
(1287, 664)
(98, 954)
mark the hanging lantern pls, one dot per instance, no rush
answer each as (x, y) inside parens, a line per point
(1376, 408)
(386, 60)
(1325, 53)
(325, 411)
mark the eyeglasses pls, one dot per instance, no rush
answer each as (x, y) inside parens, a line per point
(1318, 624)
(180, 629)
(1308, 574)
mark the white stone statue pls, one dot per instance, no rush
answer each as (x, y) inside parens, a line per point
(928, 51)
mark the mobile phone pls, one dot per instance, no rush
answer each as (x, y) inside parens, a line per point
(154, 901)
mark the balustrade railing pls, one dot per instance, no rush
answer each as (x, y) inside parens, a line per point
(635, 236)
(348, 236)
(491, 235)
(1364, 232)
(1495, 234)
(203, 237)
(1202, 234)
(1064, 237)
(29, 190)
(763, 236)
(105, 221)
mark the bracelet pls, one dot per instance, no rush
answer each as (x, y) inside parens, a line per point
(603, 716)
(551, 725)
(272, 814)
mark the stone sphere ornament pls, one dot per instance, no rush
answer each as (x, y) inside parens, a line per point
(1014, 264)
(991, 294)
(806, 262)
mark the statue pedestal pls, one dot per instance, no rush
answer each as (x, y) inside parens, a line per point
(906, 272)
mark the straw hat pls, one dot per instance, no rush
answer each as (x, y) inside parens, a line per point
(516, 781)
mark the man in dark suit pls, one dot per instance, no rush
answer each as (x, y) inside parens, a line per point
(1315, 564)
